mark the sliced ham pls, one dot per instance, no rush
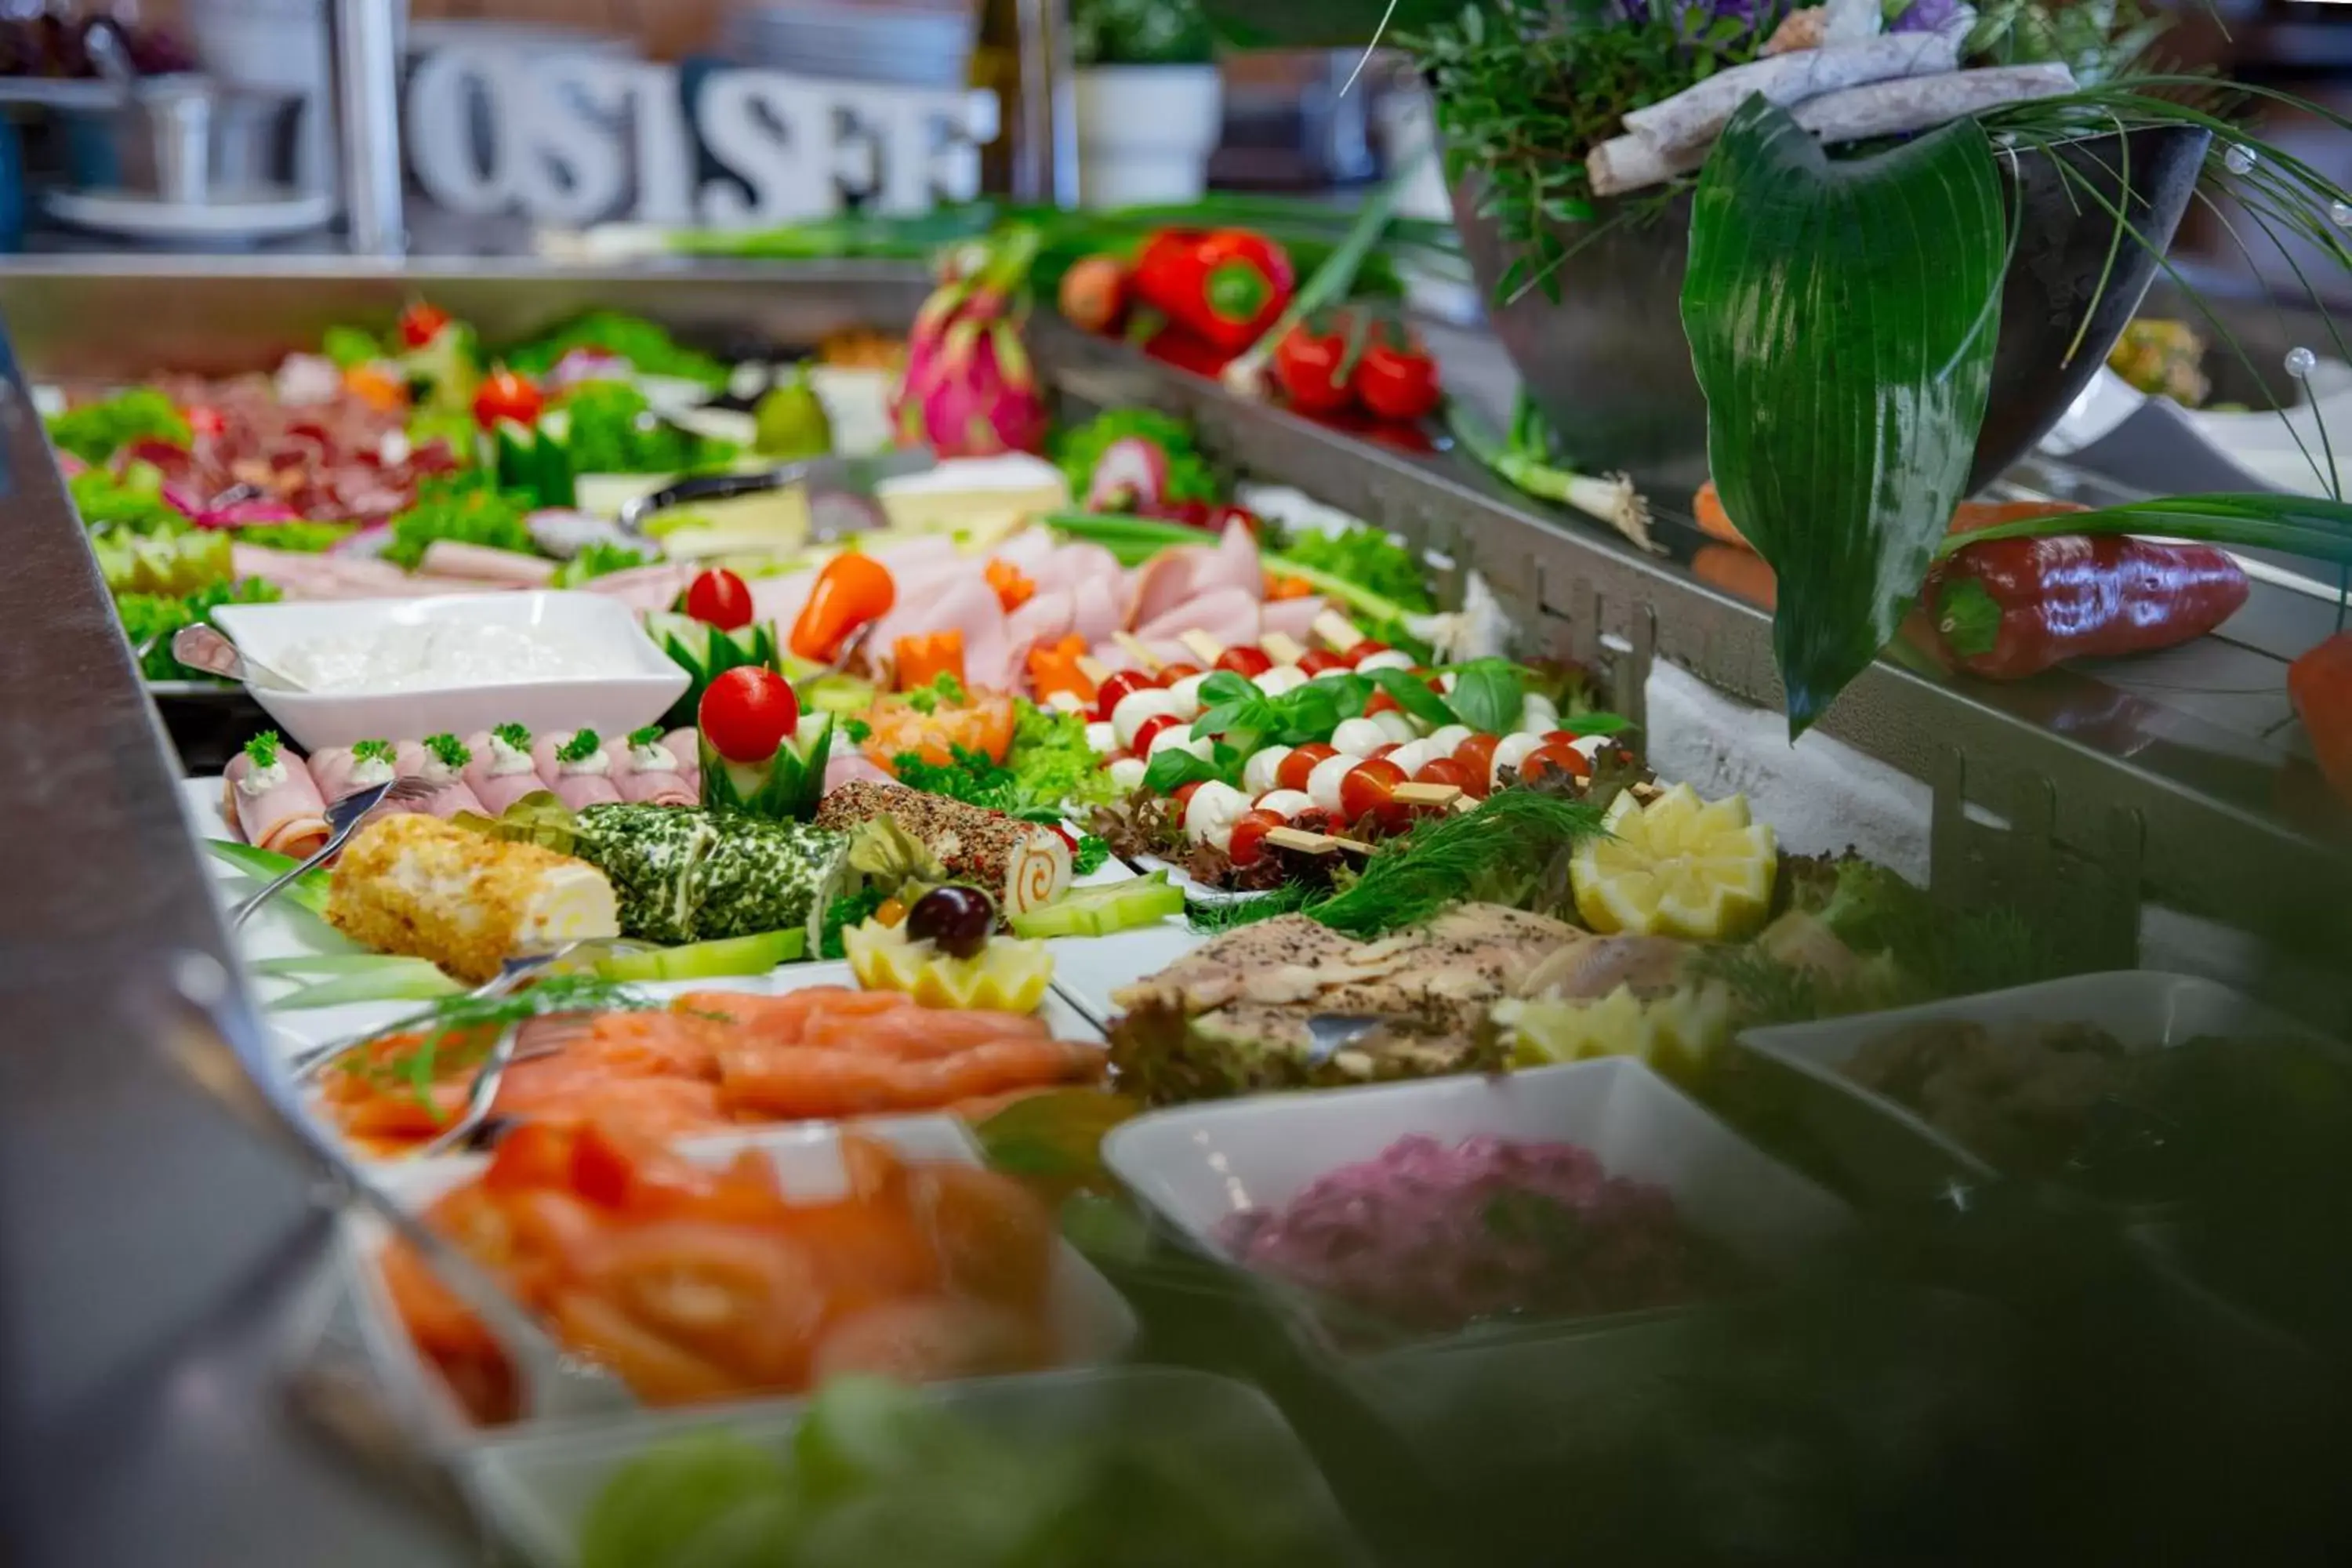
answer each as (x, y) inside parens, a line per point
(967, 604)
(1027, 551)
(649, 786)
(289, 816)
(1158, 585)
(1071, 565)
(408, 761)
(496, 791)
(575, 790)
(330, 772)
(1293, 618)
(1098, 606)
(507, 568)
(1229, 614)
(1048, 616)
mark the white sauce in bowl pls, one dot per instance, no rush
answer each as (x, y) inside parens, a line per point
(441, 654)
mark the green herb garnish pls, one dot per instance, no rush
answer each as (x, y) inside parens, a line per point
(448, 751)
(262, 751)
(514, 736)
(650, 735)
(858, 731)
(850, 910)
(1514, 849)
(479, 1018)
(582, 745)
(1092, 854)
(598, 558)
(944, 688)
(373, 752)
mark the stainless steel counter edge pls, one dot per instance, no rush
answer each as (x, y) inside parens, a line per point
(155, 1259)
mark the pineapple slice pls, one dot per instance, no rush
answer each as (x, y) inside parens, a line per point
(1680, 867)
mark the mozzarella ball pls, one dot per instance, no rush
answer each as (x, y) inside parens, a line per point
(1258, 772)
(1286, 804)
(1102, 737)
(1281, 679)
(1127, 773)
(1134, 708)
(1508, 754)
(1359, 737)
(1387, 659)
(1396, 726)
(1323, 784)
(1187, 693)
(1210, 816)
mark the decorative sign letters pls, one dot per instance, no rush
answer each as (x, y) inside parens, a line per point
(576, 139)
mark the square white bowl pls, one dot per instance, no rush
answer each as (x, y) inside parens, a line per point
(536, 1490)
(611, 705)
(1092, 1323)
(1887, 1148)
(1200, 1165)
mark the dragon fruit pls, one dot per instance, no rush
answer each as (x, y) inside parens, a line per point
(970, 389)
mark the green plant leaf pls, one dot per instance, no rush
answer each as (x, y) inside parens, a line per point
(1842, 317)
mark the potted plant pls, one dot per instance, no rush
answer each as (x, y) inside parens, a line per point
(1149, 110)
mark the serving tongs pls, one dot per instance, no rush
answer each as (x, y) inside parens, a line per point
(211, 1042)
(343, 818)
(840, 490)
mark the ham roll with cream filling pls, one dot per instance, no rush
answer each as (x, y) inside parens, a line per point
(270, 796)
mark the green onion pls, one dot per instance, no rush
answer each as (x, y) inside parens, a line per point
(1246, 375)
(396, 980)
(2300, 525)
(308, 891)
(1613, 500)
(295, 966)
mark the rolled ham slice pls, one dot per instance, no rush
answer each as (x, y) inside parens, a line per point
(649, 786)
(330, 772)
(289, 816)
(408, 761)
(1229, 616)
(685, 745)
(497, 791)
(577, 791)
(505, 568)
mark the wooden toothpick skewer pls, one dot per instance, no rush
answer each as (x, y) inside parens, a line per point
(1139, 650)
(1337, 630)
(1280, 648)
(1306, 843)
(1205, 649)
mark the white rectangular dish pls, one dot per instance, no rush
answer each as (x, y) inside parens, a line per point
(643, 685)
(1092, 1322)
(537, 1490)
(1889, 1148)
(1200, 1165)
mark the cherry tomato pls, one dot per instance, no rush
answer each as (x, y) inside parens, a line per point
(1381, 702)
(1122, 684)
(1306, 367)
(748, 712)
(1315, 660)
(421, 323)
(718, 598)
(1444, 771)
(1361, 649)
(506, 396)
(1149, 731)
(1292, 773)
(1381, 751)
(1561, 736)
(1184, 794)
(1368, 788)
(1477, 756)
(203, 419)
(1397, 383)
(1553, 756)
(1249, 836)
(1170, 674)
(1245, 661)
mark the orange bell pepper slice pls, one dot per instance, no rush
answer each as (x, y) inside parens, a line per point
(852, 590)
(1013, 588)
(1055, 667)
(923, 659)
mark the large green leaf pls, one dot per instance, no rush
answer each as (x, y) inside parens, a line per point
(1842, 317)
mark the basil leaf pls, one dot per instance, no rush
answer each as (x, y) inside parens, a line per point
(1225, 715)
(1350, 692)
(1224, 686)
(1842, 317)
(1309, 713)
(1173, 769)
(1488, 694)
(1411, 693)
(1596, 723)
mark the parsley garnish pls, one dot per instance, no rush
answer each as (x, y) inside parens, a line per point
(372, 752)
(1090, 856)
(845, 911)
(650, 735)
(448, 751)
(582, 745)
(944, 688)
(262, 751)
(516, 736)
(858, 731)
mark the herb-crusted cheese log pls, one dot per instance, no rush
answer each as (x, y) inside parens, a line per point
(686, 874)
(416, 885)
(1024, 864)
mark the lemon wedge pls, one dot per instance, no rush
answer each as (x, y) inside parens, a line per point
(1677, 1034)
(1678, 866)
(1005, 976)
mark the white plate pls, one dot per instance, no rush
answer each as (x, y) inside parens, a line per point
(138, 217)
(1887, 1148)
(1092, 1323)
(1200, 1165)
(537, 1490)
(612, 705)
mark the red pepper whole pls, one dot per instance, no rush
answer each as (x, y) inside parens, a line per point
(1307, 367)
(2010, 608)
(1396, 379)
(1223, 285)
(2320, 684)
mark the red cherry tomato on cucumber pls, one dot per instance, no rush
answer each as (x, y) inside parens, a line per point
(1476, 758)
(1553, 756)
(718, 598)
(1292, 773)
(1368, 788)
(421, 323)
(1248, 845)
(747, 713)
(1249, 662)
(1315, 660)
(1125, 683)
(506, 396)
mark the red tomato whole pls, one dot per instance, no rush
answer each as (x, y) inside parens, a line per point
(1306, 367)
(1362, 649)
(1444, 771)
(1381, 702)
(1368, 788)
(1315, 660)
(421, 323)
(506, 396)
(1121, 685)
(1292, 773)
(1397, 383)
(1477, 757)
(718, 598)
(1184, 794)
(1149, 731)
(1553, 757)
(1170, 674)
(1245, 661)
(747, 713)
(1248, 844)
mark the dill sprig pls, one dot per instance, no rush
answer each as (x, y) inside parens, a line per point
(1513, 850)
(472, 1021)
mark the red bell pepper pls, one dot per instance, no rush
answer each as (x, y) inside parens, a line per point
(2320, 685)
(2009, 608)
(1223, 285)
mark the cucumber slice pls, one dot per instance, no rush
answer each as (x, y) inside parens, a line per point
(551, 474)
(1106, 908)
(733, 955)
(514, 450)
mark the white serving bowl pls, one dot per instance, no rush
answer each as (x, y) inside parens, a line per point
(611, 705)
(1092, 1323)
(1200, 1165)
(1889, 1150)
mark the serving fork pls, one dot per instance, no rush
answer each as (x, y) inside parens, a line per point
(343, 818)
(210, 1041)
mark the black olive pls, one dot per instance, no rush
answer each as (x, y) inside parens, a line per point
(956, 920)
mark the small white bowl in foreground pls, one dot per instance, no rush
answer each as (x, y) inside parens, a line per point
(644, 684)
